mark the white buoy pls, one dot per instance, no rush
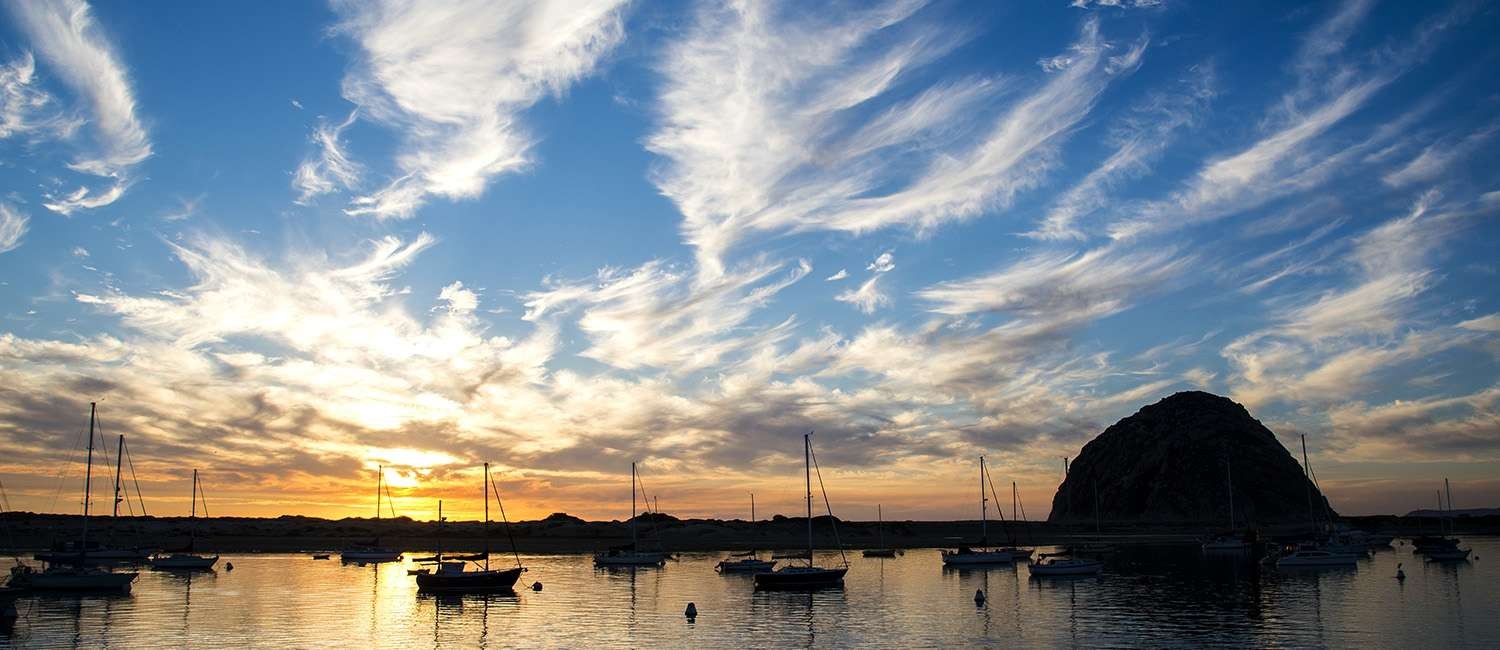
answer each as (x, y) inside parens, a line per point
(978, 596)
(691, 612)
(1400, 575)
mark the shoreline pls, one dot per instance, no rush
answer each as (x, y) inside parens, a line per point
(558, 533)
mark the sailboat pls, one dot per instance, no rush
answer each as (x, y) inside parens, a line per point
(98, 553)
(372, 552)
(810, 576)
(453, 573)
(1227, 543)
(71, 576)
(630, 554)
(185, 559)
(881, 550)
(748, 562)
(1319, 553)
(979, 555)
(1447, 549)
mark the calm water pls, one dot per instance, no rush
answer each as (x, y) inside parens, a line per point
(1161, 597)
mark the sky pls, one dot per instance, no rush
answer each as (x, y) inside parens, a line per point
(289, 244)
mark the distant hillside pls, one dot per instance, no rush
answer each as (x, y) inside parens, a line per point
(1463, 512)
(1167, 463)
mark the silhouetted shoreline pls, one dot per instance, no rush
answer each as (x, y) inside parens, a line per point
(561, 533)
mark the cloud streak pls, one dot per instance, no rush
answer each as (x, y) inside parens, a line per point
(455, 80)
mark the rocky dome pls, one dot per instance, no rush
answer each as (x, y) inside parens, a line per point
(1167, 463)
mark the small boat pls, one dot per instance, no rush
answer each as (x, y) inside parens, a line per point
(373, 551)
(1448, 555)
(321, 556)
(1225, 544)
(1305, 557)
(453, 575)
(881, 551)
(811, 576)
(748, 562)
(979, 554)
(1445, 547)
(631, 555)
(1066, 567)
(184, 559)
(744, 563)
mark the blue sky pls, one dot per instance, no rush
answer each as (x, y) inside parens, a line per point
(288, 244)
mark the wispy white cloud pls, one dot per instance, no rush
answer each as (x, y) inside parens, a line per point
(658, 316)
(26, 109)
(186, 209)
(840, 275)
(13, 226)
(68, 38)
(882, 263)
(868, 297)
(455, 80)
(331, 168)
(777, 146)
(1139, 139)
(1060, 287)
(1437, 158)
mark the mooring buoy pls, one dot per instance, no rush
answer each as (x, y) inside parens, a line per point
(536, 586)
(978, 596)
(691, 612)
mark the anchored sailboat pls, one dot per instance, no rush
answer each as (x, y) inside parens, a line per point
(748, 562)
(881, 550)
(453, 573)
(1229, 542)
(184, 558)
(981, 554)
(810, 576)
(631, 554)
(373, 551)
(75, 574)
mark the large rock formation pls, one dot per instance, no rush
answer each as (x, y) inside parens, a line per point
(1167, 463)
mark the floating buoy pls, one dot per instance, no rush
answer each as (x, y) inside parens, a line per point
(536, 586)
(978, 596)
(1400, 575)
(691, 612)
(228, 566)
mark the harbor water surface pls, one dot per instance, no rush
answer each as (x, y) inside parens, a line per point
(1148, 597)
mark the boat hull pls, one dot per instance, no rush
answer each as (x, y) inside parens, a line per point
(977, 558)
(1448, 555)
(1068, 569)
(468, 581)
(880, 552)
(630, 559)
(69, 581)
(199, 562)
(756, 566)
(800, 580)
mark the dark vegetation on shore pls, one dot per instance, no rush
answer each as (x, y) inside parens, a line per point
(561, 533)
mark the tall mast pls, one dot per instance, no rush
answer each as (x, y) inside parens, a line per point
(88, 475)
(880, 524)
(984, 501)
(1014, 500)
(1307, 478)
(120, 451)
(193, 513)
(379, 478)
(1449, 490)
(807, 472)
(440, 532)
(632, 507)
(752, 507)
(487, 516)
(1229, 482)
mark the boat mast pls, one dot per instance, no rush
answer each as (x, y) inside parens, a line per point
(1307, 478)
(1449, 490)
(807, 472)
(120, 451)
(752, 507)
(984, 501)
(88, 475)
(379, 477)
(633, 542)
(880, 524)
(1229, 482)
(487, 516)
